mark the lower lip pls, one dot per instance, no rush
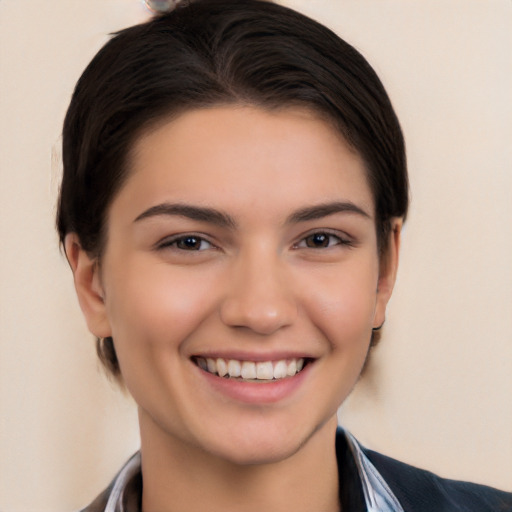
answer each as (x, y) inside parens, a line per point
(271, 391)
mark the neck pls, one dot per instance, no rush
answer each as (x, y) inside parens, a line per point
(179, 477)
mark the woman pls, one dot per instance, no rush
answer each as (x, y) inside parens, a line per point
(234, 188)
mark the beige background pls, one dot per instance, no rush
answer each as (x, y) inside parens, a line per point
(439, 390)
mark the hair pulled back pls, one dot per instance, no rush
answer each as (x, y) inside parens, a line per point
(218, 52)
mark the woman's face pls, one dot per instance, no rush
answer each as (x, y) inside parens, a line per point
(243, 242)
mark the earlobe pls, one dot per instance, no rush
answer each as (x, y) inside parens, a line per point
(88, 286)
(387, 273)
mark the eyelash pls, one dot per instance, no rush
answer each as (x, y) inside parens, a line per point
(174, 242)
(340, 240)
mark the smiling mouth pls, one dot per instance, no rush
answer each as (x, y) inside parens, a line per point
(250, 371)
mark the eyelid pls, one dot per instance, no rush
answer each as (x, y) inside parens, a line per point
(168, 241)
(344, 239)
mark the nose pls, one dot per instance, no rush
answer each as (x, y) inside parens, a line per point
(259, 296)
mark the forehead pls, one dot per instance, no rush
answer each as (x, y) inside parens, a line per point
(239, 155)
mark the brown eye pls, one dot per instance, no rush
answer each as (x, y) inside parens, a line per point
(189, 243)
(320, 240)
(186, 243)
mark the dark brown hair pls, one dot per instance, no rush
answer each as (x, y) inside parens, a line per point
(214, 52)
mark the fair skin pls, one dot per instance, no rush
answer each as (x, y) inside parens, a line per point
(247, 236)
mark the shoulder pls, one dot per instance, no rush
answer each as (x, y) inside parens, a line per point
(422, 491)
(100, 503)
(124, 492)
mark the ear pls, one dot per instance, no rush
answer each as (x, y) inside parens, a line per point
(86, 275)
(387, 273)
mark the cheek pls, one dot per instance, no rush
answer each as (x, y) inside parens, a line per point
(343, 306)
(157, 305)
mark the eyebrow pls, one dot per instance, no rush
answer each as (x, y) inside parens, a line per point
(198, 213)
(324, 210)
(221, 219)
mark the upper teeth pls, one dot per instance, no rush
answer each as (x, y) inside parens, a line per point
(264, 370)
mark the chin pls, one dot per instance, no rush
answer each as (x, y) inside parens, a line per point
(252, 453)
(261, 444)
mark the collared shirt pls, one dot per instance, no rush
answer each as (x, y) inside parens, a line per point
(361, 486)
